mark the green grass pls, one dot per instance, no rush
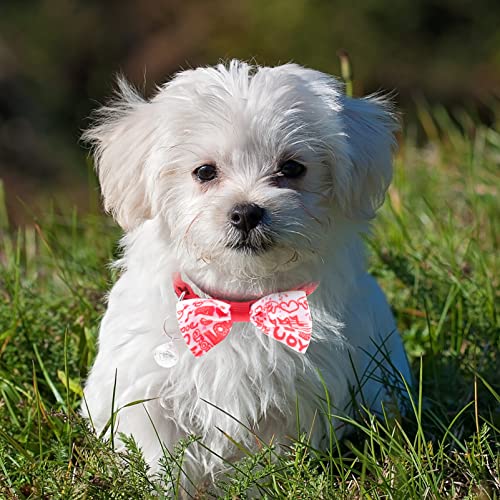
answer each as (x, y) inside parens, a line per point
(435, 251)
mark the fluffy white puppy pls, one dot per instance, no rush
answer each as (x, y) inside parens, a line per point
(248, 181)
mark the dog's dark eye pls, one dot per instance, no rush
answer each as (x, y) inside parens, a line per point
(206, 173)
(291, 169)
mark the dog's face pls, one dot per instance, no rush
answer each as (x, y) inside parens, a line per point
(246, 166)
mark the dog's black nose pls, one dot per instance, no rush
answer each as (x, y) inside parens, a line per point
(246, 217)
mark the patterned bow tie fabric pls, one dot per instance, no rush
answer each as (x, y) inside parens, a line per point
(284, 316)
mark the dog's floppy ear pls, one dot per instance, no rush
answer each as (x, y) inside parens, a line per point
(369, 126)
(359, 139)
(121, 138)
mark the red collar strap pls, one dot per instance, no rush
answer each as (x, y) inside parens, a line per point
(240, 311)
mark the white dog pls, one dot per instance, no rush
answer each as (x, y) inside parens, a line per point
(235, 183)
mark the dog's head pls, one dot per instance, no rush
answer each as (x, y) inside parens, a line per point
(247, 166)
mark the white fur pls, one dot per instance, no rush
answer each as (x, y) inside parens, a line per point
(246, 120)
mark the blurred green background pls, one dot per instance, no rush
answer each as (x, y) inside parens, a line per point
(58, 59)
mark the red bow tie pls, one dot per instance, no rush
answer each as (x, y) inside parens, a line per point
(204, 323)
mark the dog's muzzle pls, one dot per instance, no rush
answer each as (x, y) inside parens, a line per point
(248, 232)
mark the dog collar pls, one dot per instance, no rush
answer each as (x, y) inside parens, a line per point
(240, 310)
